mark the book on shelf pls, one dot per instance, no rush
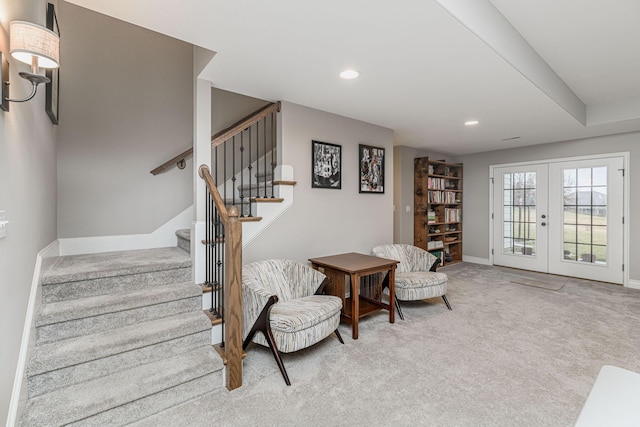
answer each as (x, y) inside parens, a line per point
(435, 244)
(452, 215)
(436, 183)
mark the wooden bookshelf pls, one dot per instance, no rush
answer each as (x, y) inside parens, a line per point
(438, 208)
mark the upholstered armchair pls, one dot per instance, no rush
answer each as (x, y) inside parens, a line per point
(416, 277)
(282, 299)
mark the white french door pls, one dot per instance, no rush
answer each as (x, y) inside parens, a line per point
(561, 217)
(520, 217)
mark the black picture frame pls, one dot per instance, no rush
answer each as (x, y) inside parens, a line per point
(371, 169)
(52, 89)
(326, 165)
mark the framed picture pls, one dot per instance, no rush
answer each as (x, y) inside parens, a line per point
(326, 165)
(371, 169)
(52, 89)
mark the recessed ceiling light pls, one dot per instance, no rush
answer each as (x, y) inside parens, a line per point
(349, 74)
(471, 122)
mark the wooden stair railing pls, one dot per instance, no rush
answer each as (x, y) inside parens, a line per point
(223, 135)
(223, 228)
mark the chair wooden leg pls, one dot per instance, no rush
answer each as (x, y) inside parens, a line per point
(337, 332)
(444, 297)
(263, 325)
(398, 309)
(276, 354)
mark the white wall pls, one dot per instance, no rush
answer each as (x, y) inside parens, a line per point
(476, 186)
(327, 221)
(27, 194)
(126, 107)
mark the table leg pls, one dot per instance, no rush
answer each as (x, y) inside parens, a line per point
(392, 294)
(355, 304)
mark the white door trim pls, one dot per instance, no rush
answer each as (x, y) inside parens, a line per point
(626, 194)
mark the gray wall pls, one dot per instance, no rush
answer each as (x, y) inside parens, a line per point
(228, 107)
(126, 106)
(27, 194)
(327, 221)
(476, 186)
(403, 189)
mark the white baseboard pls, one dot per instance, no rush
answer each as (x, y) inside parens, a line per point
(476, 260)
(19, 392)
(635, 284)
(164, 236)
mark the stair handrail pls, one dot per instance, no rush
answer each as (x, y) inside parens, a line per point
(221, 136)
(205, 173)
(244, 123)
(232, 321)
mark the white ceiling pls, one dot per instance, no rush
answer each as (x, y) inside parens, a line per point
(551, 71)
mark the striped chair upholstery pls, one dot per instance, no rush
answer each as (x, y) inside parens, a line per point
(298, 318)
(416, 278)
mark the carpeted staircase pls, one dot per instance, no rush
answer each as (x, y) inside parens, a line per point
(119, 336)
(261, 187)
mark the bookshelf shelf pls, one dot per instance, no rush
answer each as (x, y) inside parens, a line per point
(438, 208)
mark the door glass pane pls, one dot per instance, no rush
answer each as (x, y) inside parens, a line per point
(600, 176)
(570, 251)
(519, 199)
(585, 215)
(600, 254)
(570, 196)
(584, 177)
(570, 233)
(570, 215)
(599, 235)
(584, 234)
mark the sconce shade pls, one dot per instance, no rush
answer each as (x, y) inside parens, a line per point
(30, 40)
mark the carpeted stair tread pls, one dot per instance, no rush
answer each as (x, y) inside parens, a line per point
(111, 264)
(92, 325)
(63, 311)
(184, 234)
(61, 354)
(184, 239)
(81, 401)
(147, 406)
(256, 186)
(47, 382)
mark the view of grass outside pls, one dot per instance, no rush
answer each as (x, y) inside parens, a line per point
(585, 236)
(585, 214)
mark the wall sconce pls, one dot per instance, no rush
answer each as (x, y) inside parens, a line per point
(33, 45)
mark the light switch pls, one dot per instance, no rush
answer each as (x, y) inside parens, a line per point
(3, 224)
(407, 208)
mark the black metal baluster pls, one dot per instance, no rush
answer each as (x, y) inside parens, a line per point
(224, 167)
(250, 167)
(273, 150)
(233, 170)
(222, 275)
(207, 253)
(242, 190)
(264, 155)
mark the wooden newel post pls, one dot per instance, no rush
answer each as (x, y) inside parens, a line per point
(233, 300)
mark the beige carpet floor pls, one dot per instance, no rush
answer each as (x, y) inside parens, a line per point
(507, 355)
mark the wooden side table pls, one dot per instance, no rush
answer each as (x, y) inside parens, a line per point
(355, 265)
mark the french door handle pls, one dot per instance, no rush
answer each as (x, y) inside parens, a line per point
(543, 224)
(543, 216)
